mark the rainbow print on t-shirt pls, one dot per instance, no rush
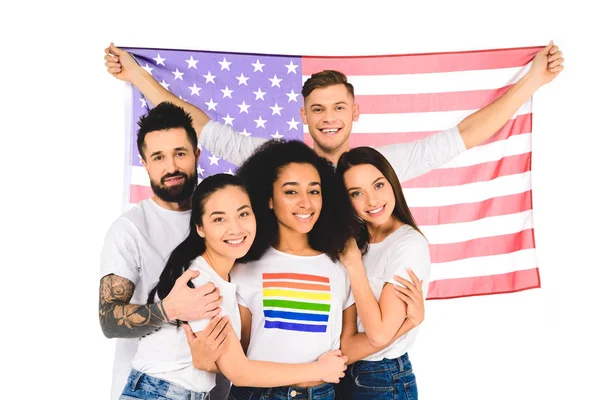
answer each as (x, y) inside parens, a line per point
(296, 302)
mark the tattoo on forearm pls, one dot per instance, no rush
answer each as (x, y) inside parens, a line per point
(120, 319)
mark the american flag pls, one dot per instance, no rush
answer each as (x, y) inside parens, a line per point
(476, 211)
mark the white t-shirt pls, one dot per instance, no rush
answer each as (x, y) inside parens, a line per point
(165, 354)
(137, 247)
(405, 248)
(409, 159)
(296, 304)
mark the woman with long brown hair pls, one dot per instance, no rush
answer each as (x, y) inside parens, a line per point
(394, 250)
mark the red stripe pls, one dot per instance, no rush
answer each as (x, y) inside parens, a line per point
(428, 102)
(502, 205)
(481, 247)
(483, 285)
(138, 193)
(486, 171)
(302, 277)
(296, 285)
(421, 63)
(521, 124)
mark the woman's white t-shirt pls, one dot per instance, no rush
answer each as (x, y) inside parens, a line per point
(404, 248)
(296, 304)
(165, 353)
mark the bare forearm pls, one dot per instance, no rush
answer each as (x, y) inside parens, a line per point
(357, 346)
(269, 374)
(367, 306)
(156, 94)
(481, 125)
(243, 372)
(118, 318)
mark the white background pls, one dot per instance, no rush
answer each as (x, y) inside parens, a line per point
(62, 162)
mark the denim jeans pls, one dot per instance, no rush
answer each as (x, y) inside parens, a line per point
(321, 392)
(142, 386)
(385, 379)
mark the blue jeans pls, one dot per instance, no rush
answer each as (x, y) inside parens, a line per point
(142, 386)
(321, 392)
(385, 379)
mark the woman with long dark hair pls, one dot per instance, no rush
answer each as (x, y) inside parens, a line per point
(293, 292)
(387, 313)
(222, 230)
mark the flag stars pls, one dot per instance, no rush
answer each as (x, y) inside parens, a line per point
(159, 60)
(275, 81)
(242, 79)
(214, 160)
(258, 66)
(292, 96)
(178, 75)
(260, 123)
(228, 120)
(293, 124)
(291, 67)
(209, 77)
(211, 105)
(277, 135)
(165, 84)
(260, 94)
(227, 92)
(192, 63)
(244, 107)
(148, 69)
(195, 90)
(276, 109)
(225, 64)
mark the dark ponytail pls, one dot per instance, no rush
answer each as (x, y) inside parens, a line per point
(179, 261)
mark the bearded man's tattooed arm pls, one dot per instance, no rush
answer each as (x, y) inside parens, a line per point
(118, 318)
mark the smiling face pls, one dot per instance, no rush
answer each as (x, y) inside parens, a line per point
(228, 223)
(329, 113)
(170, 159)
(297, 199)
(371, 194)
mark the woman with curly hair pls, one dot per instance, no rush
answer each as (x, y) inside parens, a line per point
(292, 290)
